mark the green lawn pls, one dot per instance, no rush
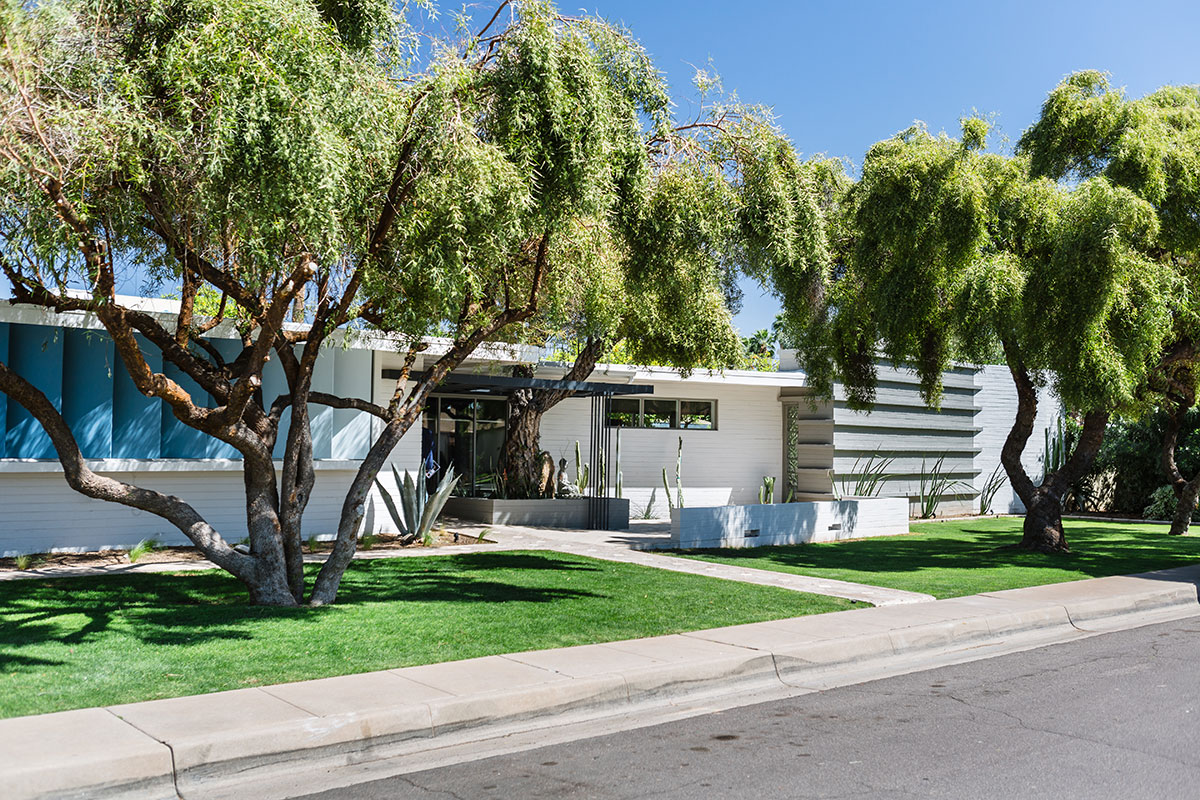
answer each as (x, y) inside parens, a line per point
(951, 559)
(78, 642)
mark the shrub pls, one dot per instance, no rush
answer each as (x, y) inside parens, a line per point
(1162, 505)
(1130, 453)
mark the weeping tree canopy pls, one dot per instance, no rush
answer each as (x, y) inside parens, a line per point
(284, 158)
(949, 249)
(1150, 146)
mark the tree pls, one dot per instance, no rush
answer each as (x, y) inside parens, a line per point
(728, 195)
(287, 157)
(948, 249)
(1150, 146)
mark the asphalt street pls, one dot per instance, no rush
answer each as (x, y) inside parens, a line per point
(1113, 716)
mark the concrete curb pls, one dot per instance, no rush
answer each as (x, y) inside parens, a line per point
(200, 745)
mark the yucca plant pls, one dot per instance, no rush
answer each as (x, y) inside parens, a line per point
(869, 476)
(936, 485)
(418, 510)
(766, 492)
(992, 485)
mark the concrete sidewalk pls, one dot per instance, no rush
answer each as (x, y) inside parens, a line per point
(215, 745)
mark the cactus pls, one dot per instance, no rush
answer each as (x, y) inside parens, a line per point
(679, 474)
(667, 491)
(582, 471)
(420, 510)
(618, 464)
(766, 492)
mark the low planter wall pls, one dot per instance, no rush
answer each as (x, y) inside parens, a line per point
(566, 513)
(788, 523)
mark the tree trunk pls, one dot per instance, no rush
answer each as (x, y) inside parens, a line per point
(1043, 527)
(520, 460)
(1186, 506)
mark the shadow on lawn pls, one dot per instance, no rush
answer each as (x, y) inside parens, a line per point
(1096, 551)
(187, 608)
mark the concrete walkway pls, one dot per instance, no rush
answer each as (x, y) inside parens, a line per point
(630, 547)
(233, 744)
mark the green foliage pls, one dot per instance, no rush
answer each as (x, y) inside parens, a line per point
(935, 486)
(582, 471)
(1130, 457)
(869, 474)
(1163, 505)
(954, 250)
(142, 548)
(991, 486)
(27, 561)
(418, 510)
(766, 492)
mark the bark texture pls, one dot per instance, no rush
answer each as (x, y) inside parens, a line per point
(521, 460)
(1043, 528)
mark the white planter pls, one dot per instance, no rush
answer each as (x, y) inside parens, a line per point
(788, 523)
(565, 513)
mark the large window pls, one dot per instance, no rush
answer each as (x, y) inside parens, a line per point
(657, 412)
(468, 434)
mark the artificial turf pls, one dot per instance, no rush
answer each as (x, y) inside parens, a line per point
(79, 642)
(956, 558)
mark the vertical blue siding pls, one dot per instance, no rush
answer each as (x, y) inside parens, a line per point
(229, 349)
(275, 384)
(137, 419)
(88, 390)
(3, 396)
(36, 353)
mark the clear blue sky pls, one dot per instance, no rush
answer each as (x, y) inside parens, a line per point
(842, 75)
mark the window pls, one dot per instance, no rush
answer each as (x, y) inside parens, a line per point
(697, 415)
(624, 413)
(660, 414)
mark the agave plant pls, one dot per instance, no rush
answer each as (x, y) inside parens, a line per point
(418, 510)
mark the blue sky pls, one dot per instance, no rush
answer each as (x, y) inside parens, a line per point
(842, 75)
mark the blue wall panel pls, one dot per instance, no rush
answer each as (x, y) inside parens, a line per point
(229, 350)
(137, 419)
(88, 390)
(3, 396)
(179, 440)
(275, 384)
(36, 353)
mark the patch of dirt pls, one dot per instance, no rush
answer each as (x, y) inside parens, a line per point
(442, 538)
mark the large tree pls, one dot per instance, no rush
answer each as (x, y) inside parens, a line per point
(286, 157)
(949, 249)
(728, 196)
(1151, 146)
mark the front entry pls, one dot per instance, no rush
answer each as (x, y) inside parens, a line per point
(468, 434)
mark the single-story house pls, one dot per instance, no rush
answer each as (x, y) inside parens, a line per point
(735, 427)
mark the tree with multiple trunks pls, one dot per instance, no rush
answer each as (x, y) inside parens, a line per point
(728, 196)
(288, 158)
(1150, 146)
(947, 249)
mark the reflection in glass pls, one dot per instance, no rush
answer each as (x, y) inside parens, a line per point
(696, 414)
(623, 412)
(658, 414)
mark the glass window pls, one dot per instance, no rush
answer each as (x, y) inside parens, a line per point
(623, 412)
(696, 414)
(491, 410)
(659, 414)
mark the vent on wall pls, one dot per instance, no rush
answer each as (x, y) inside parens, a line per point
(752, 533)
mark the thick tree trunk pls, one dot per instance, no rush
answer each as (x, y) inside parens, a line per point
(1186, 506)
(1043, 527)
(520, 460)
